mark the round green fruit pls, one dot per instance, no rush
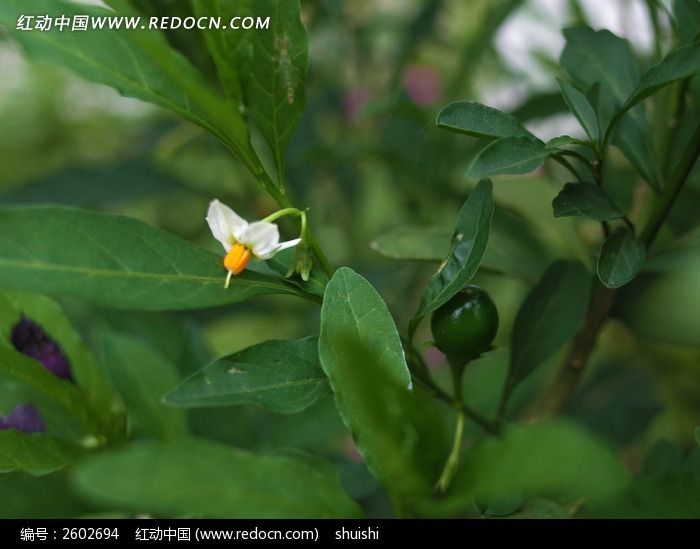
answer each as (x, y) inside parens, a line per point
(465, 326)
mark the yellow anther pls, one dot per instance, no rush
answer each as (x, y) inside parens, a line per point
(236, 260)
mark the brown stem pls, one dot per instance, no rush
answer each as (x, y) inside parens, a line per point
(581, 347)
(577, 355)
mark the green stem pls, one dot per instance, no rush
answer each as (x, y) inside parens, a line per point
(574, 363)
(564, 162)
(452, 462)
(505, 396)
(656, 25)
(283, 200)
(492, 427)
(286, 211)
(320, 254)
(420, 372)
(674, 110)
(583, 344)
(581, 158)
(278, 193)
(666, 200)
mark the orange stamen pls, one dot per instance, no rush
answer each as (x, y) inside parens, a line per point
(237, 258)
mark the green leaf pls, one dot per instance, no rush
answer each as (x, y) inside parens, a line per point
(513, 247)
(142, 377)
(621, 258)
(508, 155)
(580, 107)
(469, 240)
(561, 143)
(138, 63)
(479, 120)
(229, 48)
(638, 150)
(49, 315)
(602, 62)
(687, 16)
(36, 454)
(19, 368)
(599, 57)
(116, 261)
(119, 183)
(48, 496)
(282, 376)
(678, 64)
(195, 477)
(397, 430)
(668, 486)
(586, 199)
(414, 242)
(553, 458)
(275, 80)
(550, 315)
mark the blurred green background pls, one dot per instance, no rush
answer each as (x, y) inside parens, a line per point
(367, 160)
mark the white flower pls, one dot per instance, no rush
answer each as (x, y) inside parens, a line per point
(241, 239)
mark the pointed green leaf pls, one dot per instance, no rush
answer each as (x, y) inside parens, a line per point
(580, 107)
(116, 261)
(282, 376)
(142, 377)
(687, 16)
(194, 477)
(514, 247)
(36, 454)
(508, 155)
(599, 57)
(397, 430)
(586, 199)
(275, 82)
(602, 62)
(138, 63)
(550, 315)
(471, 118)
(638, 150)
(469, 241)
(229, 48)
(678, 64)
(621, 258)
(561, 143)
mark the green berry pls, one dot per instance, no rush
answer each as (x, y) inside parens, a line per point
(465, 326)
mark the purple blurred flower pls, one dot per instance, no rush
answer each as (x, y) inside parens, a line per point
(422, 84)
(23, 418)
(30, 339)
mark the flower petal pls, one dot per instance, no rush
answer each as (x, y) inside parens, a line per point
(288, 244)
(29, 338)
(281, 246)
(262, 237)
(225, 224)
(24, 418)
